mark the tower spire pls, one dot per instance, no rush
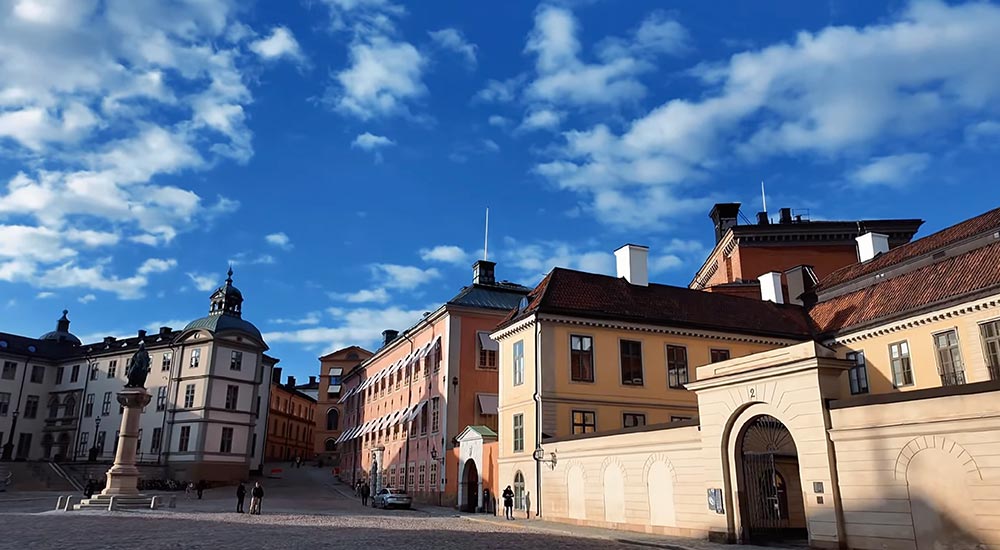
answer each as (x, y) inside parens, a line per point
(486, 239)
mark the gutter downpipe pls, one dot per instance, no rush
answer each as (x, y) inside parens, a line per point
(538, 417)
(409, 403)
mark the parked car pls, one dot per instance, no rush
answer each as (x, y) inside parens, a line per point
(391, 497)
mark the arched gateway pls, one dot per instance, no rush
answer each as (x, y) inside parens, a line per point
(769, 485)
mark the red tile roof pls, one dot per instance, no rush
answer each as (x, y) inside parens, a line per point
(972, 273)
(568, 292)
(959, 232)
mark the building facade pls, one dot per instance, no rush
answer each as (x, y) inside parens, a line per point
(57, 395)
(329, 416)
(879, 429)
(404, 407)
(291, 421)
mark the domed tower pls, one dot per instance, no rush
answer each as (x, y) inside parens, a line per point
(226, 311)
(227, 299)
(62, 333)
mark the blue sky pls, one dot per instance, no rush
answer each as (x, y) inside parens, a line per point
(341, 153)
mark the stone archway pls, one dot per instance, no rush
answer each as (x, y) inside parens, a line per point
(469, 487)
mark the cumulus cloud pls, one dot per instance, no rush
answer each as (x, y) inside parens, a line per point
(375, 295)
(279, 240)
(453, 40)
(362, 326)
(445, 253)
(532, 260)
(542, 119)
(891, 170)
(403, 277)
(280, 44)
(203, 282)
(373, 144)
(86, 299)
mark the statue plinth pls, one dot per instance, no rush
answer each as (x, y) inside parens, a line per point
(123, 477)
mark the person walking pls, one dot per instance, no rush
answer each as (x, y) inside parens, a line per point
(200, 488)
(189, 489)
(527, 505)
(508, 503)
(256, 495)
(366, 491)
(241, 493)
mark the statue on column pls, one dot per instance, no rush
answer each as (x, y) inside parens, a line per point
(138, 368)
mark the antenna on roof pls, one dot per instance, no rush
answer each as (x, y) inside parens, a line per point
(486, 239)
(763, 196)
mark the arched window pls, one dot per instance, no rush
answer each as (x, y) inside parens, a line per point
(53, 406)
(70, 405)
(332, 419)
(519, 490)
(330, 445)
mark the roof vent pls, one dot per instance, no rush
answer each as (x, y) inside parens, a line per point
(871, 245)
(165, 330)
(631, 261)
(770, 287)
(388, 335)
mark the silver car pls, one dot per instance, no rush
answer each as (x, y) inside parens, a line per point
(392, 498)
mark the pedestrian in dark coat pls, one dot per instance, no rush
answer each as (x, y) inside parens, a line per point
(200, 488)
(366, 491)
(256, 495)
(241, 493)
(508, 503)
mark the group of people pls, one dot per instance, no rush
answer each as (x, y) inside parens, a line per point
(256, 496)
(195, 488)
(508, 504)
(363, 490)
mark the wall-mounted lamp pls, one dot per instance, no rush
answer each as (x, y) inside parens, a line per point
(539, 456)
(434, 454)
(454, 380)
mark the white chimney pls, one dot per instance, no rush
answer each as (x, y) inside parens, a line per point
(631, 263)
(770, 287)
(871, 245)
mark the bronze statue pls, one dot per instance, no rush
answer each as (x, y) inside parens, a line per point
(138, 368)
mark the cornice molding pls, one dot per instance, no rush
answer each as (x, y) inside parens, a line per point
(672, 331)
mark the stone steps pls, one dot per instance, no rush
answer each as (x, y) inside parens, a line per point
(102, 502)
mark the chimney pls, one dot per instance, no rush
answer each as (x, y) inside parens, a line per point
(871, 245)
(276, 375)
(165, 330)
(762, 218)
(291, 382)
(770, 287)
(62, 325)
(388, 335)
(784, 215)
(631, 263)
(724, 215)
(801, 281)
(312, 380)
(108, 340)
(484, 273)
(142, 334)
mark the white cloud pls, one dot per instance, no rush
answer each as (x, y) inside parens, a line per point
(498, 121)
(280, 240)
(369, 142)
(43, 295)
(453, 40)
(892, 170)
(375, 295)
(542, 119)
(362, 326)
(72, 275)
(311, 318)
(834, 93)
(279, 44)
(86, 299)
(156, 265)
(203, 282)
(403, 277)
(534, 259)
(445, 253)
(500, 91)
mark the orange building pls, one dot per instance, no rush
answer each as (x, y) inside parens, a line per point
(329, 416)
(744, 252)
(406, 405)
(290, 423)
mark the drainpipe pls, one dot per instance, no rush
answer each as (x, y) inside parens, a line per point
(83, 404)
(538, 417)
(409, 403)
(166, 406)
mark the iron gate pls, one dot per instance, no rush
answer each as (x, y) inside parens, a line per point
(764, 489)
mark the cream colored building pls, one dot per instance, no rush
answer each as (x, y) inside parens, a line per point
(880, 430)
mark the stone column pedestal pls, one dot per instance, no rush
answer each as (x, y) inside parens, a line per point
(123, 477)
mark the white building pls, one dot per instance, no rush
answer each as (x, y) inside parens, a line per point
(207, 381)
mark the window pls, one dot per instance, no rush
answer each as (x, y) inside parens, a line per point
(899, 356)
(106, 405)
(81, 448)
(4, 403)
(332, 419)
(165, 362)
(519, 362)
(677, 366)
(435, 414)
(9, 370)
(409, 476)
(584, 422)
(518, 433)
(581, 358)
(185, 437)
(949, 358)
(59, 374)
(232, 397)
(631, 360)
(161, 398)
(112, 368)
(519, 490)
(226, 445)
(236, 361)
(37, 374)
(436, 356)
(88, 406)
(102, 436)
(858, 374)
(188, 396)
(423, 420)
(434, 476)
(31, 407)
(633, 420)
(422, 476)
(94, 371)
(154, 446)
(74, 373)
(487, 351)
(719, 355)
(195, 358)
(990, 333)
(392, 475)
(53, 406)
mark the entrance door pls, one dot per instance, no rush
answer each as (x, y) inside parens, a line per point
(23, 445)
(471, 486)
(771, 510)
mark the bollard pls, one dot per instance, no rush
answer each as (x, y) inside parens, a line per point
(59, 504)
(173, 501)
(69, 504)
(111, 503)
(154, 503)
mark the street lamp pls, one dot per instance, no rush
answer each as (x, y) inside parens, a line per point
(539, 456)
(94, 449)
(8, 448)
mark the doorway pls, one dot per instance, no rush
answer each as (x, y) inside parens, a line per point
(471, 482)
(771, 505)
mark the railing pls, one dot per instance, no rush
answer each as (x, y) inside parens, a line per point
(956, 378)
